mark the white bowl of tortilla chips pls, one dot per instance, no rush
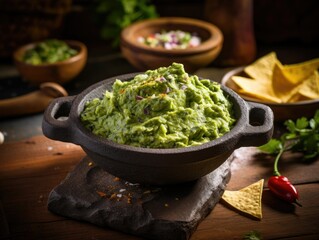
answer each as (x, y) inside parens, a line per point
(291, 91)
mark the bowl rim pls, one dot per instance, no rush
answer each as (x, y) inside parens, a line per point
(72, 43)
(227, 77)
(214, 40)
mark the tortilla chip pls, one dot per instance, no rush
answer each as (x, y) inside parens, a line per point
(271, 81)
(247, 200)
(296, 73)
(310, 87)
(297, 97)
(259, 90)
(262, 68)
(282, 87)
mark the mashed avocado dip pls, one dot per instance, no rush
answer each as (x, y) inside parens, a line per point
(162, 108)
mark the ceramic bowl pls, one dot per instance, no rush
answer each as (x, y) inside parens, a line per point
(59, 72)
(144, 57)
(61, 122)
(282, 111)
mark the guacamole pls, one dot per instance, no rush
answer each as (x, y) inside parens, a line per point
(49, 51)
(162, 108)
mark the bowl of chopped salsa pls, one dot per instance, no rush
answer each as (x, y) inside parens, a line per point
(161, 126)
(50, 60)
(153, 43)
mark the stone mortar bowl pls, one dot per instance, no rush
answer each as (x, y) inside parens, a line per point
(61, 122)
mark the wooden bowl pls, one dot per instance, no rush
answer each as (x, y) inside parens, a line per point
(282, 111)
(144, 57)
(61, 121)
(59, 72)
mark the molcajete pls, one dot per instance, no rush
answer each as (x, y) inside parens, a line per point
(254, 126)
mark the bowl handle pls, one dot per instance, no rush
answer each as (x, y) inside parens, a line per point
(260, 125)
(56, 123)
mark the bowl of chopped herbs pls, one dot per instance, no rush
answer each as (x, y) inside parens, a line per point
(50, 60)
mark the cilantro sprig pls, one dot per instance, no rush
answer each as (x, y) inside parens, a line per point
(301, 136)
(253, 235)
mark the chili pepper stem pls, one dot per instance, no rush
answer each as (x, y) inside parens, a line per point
(296, 202)
(276, 171)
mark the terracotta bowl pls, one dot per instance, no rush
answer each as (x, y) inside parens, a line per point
(61, 122)
(282, 111)
(60, 72)
(144, 57)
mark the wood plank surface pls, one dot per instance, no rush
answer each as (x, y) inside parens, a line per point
(30, 169)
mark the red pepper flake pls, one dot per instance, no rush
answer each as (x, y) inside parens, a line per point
(129, 198)
(113, 196)
(102, 194)
(116, 179)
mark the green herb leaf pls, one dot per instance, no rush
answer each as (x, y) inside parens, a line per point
(302, 136)
(272, 147)
(302, 123)
(252, 235)
(290, 126)
(117, 14)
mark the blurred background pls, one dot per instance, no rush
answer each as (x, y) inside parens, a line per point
(251, 29)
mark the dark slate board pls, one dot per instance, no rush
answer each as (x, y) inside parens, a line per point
(169, 212)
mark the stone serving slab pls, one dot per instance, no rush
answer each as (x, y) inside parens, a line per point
(90, 194)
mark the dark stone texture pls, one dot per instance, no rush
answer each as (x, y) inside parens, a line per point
(168, 212)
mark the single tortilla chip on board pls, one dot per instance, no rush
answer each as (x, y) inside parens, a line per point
(246, 200)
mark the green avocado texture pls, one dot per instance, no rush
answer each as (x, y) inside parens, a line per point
(162, 108)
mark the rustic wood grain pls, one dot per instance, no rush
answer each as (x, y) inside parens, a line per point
(30, 169)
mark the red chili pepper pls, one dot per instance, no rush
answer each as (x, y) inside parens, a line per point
(282, 187)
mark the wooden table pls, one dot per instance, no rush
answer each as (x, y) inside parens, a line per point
(29, 170)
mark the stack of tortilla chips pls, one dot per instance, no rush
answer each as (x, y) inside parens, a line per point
(270, 81)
